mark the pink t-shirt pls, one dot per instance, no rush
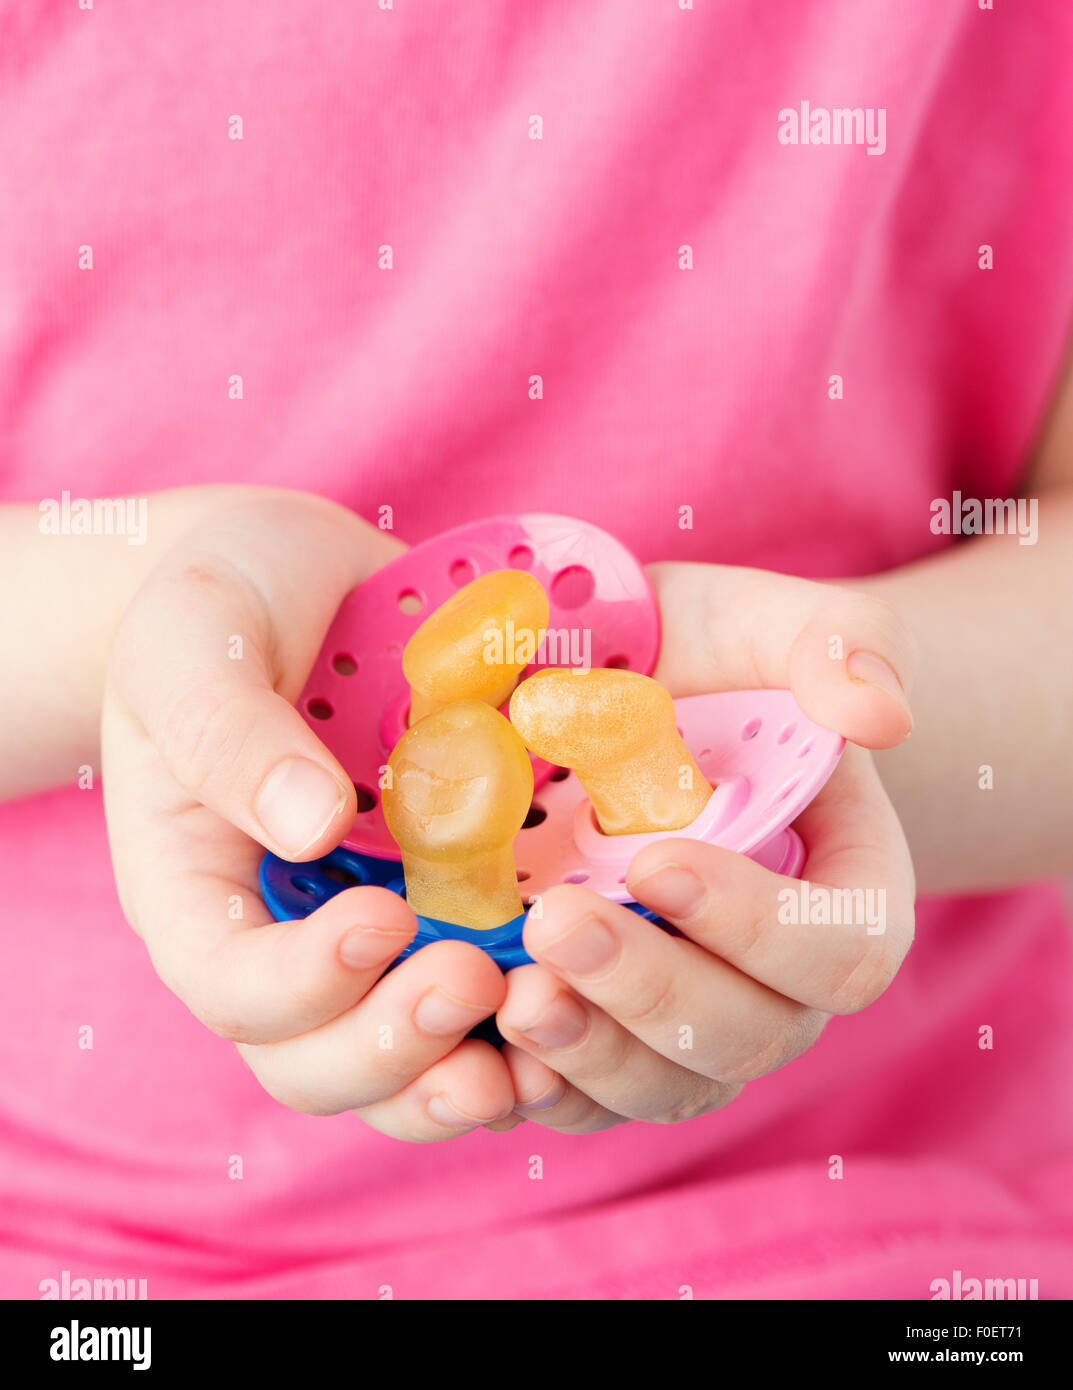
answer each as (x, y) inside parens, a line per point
(387, 258)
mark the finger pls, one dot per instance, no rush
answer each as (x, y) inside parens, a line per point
(188, 885)
(468, 1088)
(216, 645)
(848, 657)
(546, 1099)
(675, 997)
(258, 980)
(597, 1055)
(408, 1021)
(834, 942)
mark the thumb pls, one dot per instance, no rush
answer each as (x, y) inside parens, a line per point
(847, 657)
(219, 641)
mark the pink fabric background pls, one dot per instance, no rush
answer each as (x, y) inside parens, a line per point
(409, 387)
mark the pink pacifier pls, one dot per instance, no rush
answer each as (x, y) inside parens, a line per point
(357, 698)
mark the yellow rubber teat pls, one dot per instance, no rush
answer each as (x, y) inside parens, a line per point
(459, 788)
(616, 730)
(477, 644)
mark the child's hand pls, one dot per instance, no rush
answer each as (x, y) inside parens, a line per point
(205, 761)
(619, 1020)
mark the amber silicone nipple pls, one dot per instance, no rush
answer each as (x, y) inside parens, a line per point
(616, 731)
(459, 789)
(477, 644)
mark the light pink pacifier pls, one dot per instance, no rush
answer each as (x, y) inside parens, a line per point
(765, 760)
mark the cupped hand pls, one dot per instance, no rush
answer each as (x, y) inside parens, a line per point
(206, 763)
(619, 1020)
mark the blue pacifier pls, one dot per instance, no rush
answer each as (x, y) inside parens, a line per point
(292, 891)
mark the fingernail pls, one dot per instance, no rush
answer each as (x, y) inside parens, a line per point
(583, 950)
(440, 1013)
(562, 1023)
(444, 1113)
(297, 802)
(873, 670)
(366, 946)
(672, 890)
(552, 1096)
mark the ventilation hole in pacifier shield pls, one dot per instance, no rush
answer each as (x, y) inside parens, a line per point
(537, 815)
(520, 558)
(751, 729)
(462, 572)
(410, 601)
(576, 878)
(366, 798)
(806, 748)
(522, 875)
(339, 875)
(304, 885)
(785, 791)
(320, 709)
(343, 664)
(560, 774)
(786, 733)
(572, 587)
